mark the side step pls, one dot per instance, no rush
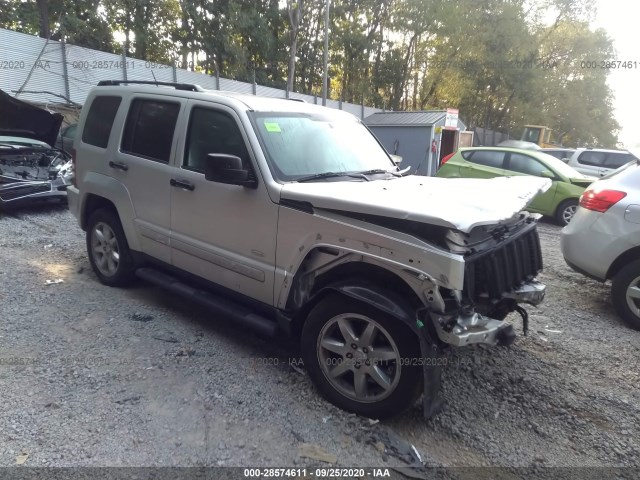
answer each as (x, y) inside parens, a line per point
(215, 303)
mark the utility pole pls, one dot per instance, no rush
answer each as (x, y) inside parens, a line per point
(326, 53)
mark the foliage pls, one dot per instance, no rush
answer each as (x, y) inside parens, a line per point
(502, 63)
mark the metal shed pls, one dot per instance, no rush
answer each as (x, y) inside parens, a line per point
(421, 138)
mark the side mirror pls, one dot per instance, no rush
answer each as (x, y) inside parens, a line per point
(396, 158)
(547, 174)
(224, 168)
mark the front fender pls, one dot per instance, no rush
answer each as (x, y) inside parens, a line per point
(302, 233)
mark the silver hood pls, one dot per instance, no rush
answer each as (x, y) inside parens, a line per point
(460, 203)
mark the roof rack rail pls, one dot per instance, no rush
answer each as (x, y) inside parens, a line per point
(178, 86)
(297, 100)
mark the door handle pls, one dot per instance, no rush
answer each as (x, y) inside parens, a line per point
(119, 166)
(182, 184)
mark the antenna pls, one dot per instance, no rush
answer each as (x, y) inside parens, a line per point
(154, 78)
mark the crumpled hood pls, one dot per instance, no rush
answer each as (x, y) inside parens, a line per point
(460, 203)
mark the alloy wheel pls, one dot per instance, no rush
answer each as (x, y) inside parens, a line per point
(568, 213)
(633, 296)
(359, 357)
(105, 249)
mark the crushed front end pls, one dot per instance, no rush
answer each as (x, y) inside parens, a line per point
(32, 173)
(501, 265)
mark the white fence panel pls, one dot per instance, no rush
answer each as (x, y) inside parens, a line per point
(235, 86)
(205, 81)
(33, 64)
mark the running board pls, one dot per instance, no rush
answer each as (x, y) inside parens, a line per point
(235, 312)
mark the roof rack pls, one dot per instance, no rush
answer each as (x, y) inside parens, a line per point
(178, 86)
(297, 100)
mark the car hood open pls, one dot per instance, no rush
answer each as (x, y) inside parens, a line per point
(21, 119)
(460, 203)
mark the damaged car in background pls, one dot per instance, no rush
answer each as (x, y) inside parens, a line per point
(31, 170)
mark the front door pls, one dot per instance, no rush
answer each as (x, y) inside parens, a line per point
(223, 233)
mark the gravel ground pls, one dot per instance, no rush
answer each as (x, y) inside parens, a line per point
(95, 376)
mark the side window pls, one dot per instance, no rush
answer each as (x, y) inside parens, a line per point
(595, 159)
(148, 132)
(616, 160)
(489, 158)
(525, 164)
(97, 126)
(212, 131)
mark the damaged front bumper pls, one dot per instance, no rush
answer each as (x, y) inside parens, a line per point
(468, 327)
(21, 192)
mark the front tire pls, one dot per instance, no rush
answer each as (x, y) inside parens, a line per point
(361, 359)
(625, 294)
(108, 249)
(565, 212)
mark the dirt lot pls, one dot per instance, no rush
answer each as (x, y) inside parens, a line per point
(95, 376)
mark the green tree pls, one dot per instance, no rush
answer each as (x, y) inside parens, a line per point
(78, 22)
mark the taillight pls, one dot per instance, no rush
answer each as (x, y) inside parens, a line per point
(73, 166)
(600, 201)
(446, 159)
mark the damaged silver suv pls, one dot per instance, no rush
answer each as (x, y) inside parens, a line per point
(291, 219)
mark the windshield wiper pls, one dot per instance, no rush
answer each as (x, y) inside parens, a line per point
(379, 170)
(331, 175)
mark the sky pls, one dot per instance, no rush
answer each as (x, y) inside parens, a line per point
(620, 19)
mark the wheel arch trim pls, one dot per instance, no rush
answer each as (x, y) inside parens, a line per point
(101, 188)
(622, 260)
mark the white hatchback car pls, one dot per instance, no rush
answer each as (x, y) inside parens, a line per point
(603, 239)
(597, 162)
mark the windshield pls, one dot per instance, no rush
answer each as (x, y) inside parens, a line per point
(299, 145)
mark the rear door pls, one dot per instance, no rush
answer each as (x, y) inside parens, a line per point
(483, 164)
(142, 164)
(521, 164)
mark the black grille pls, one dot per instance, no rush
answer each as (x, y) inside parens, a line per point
(504, 268)
(23, 190)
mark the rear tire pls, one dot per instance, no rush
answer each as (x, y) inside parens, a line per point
(108, 249)
(565, 212)
(361, 359)
(625, 294)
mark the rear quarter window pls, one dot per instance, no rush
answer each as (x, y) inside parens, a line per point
(97, 126)
(616, 160)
